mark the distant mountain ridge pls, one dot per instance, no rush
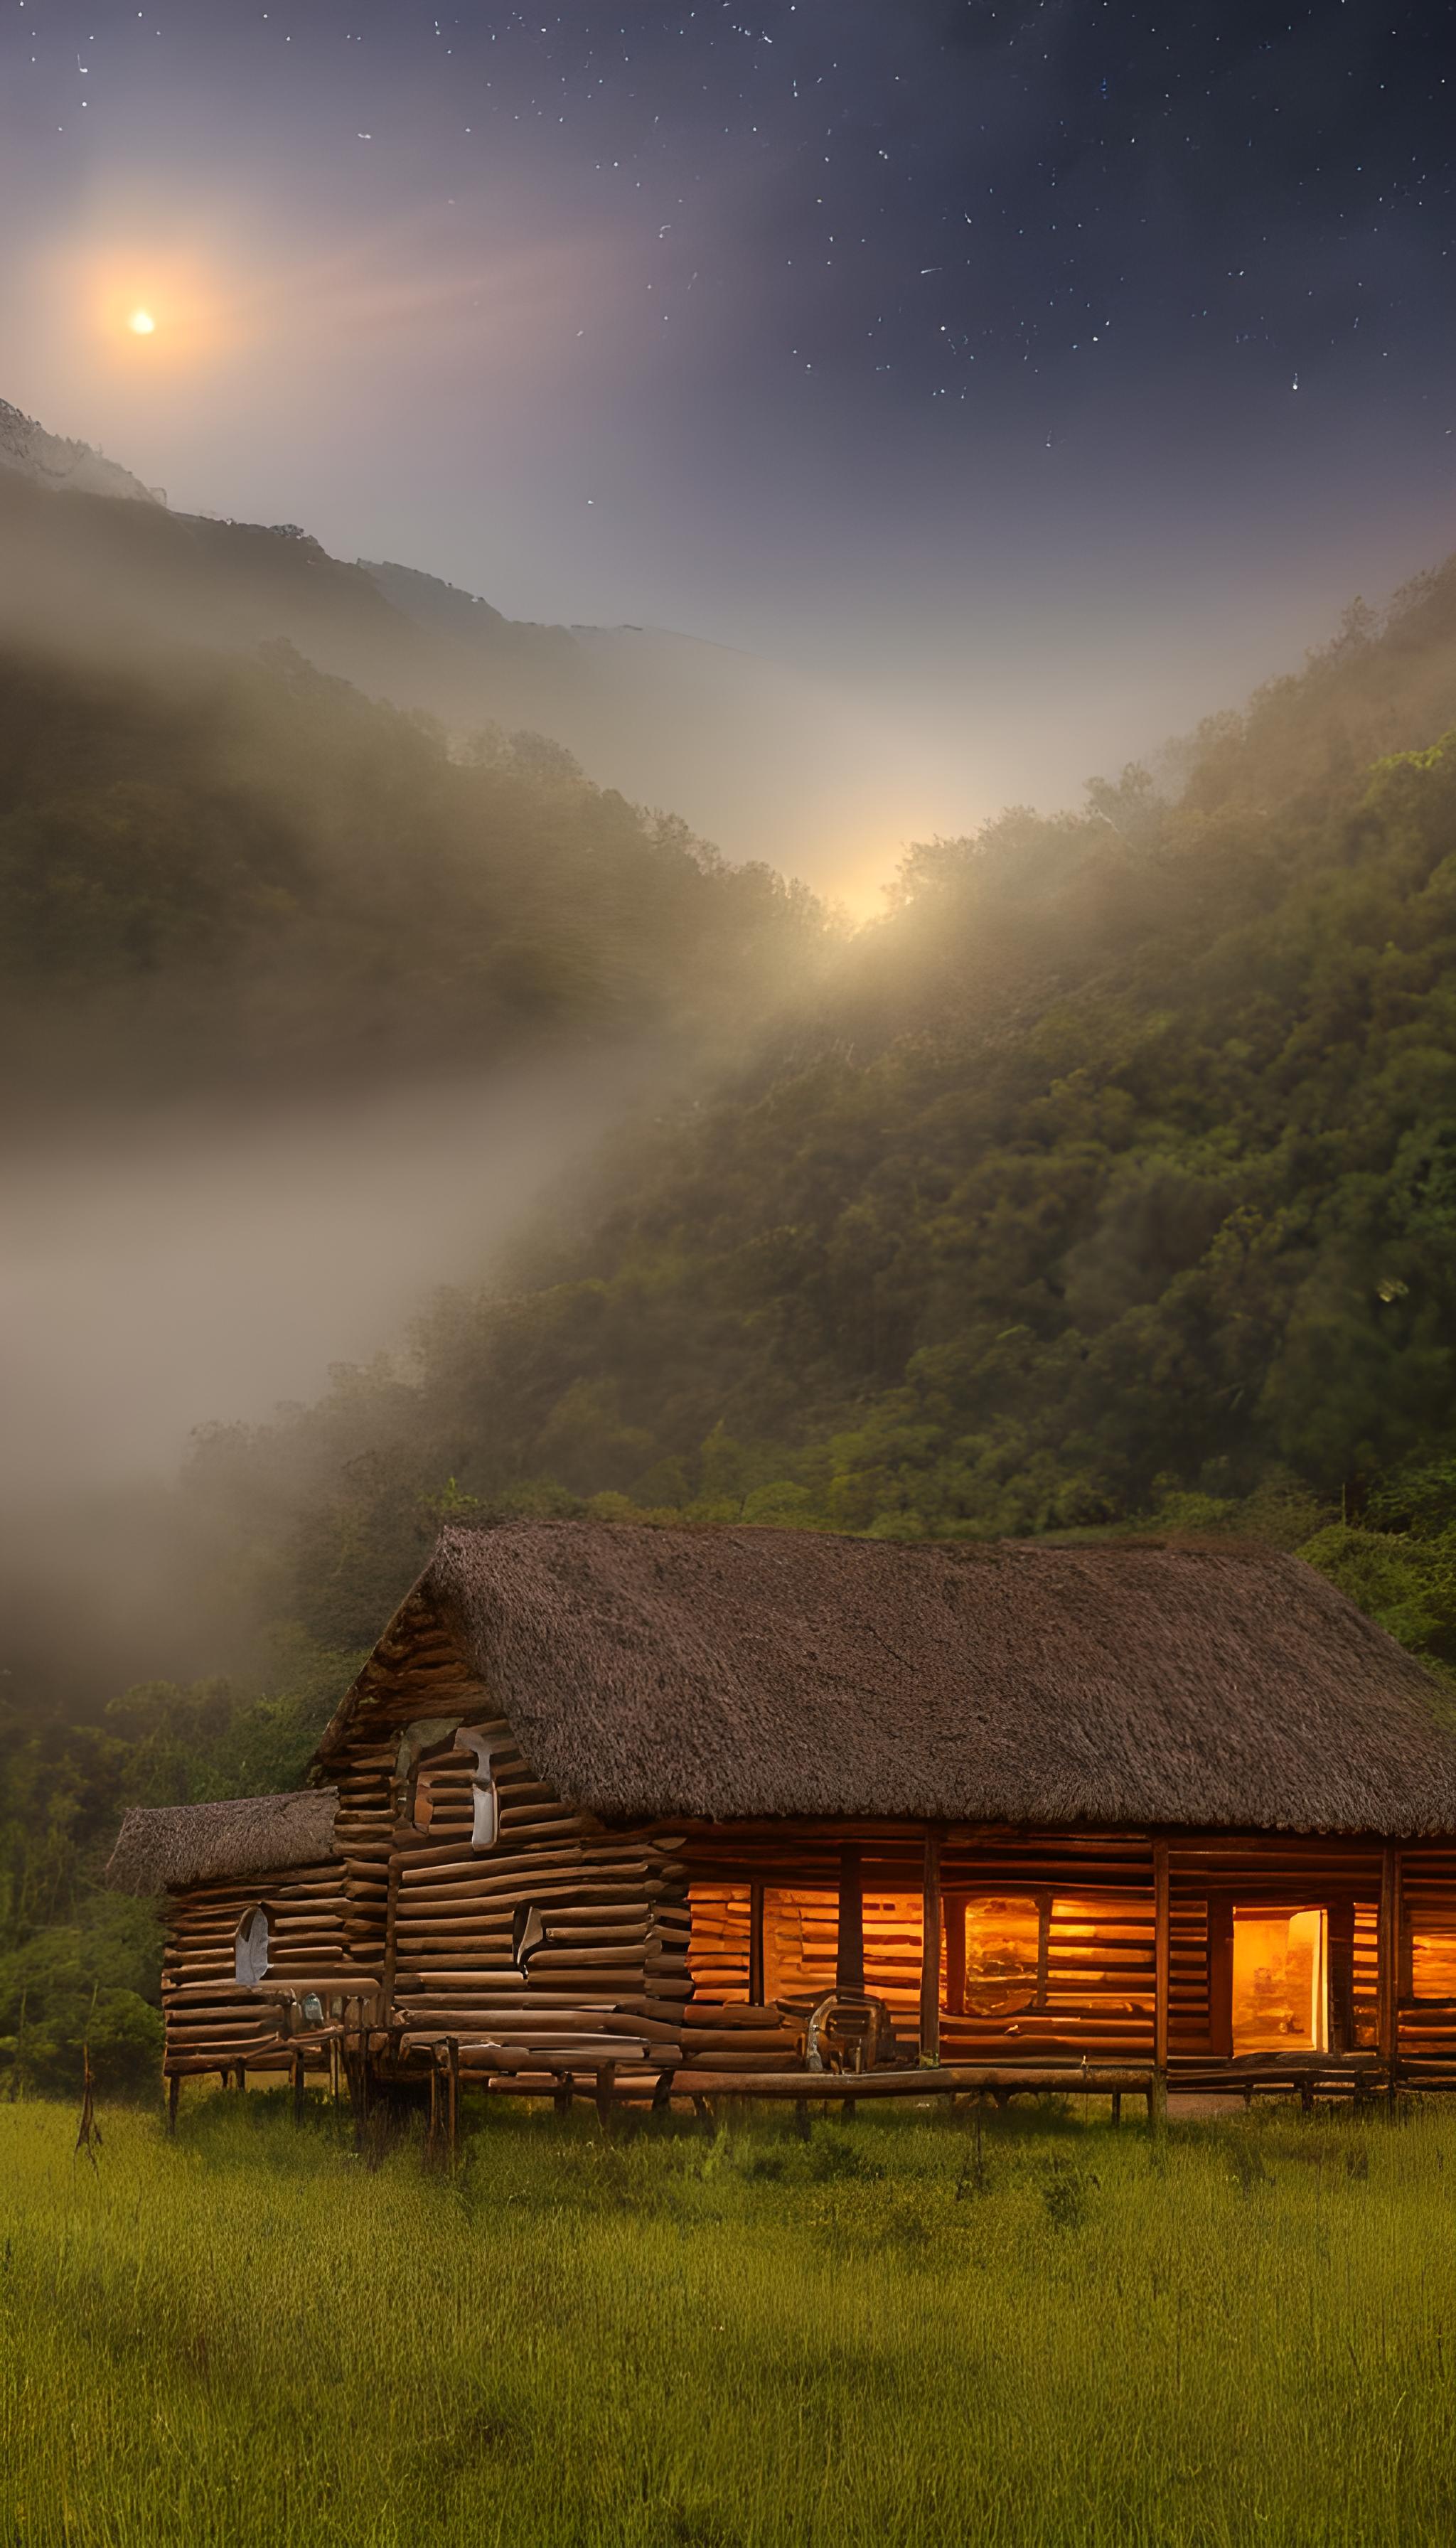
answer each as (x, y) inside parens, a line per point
(50, 460)
(757, 759)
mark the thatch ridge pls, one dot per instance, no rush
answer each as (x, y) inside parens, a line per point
(722, 1674)
(170, 1846)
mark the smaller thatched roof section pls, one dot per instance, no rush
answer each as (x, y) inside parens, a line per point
(162, 1845)
(740, 1673)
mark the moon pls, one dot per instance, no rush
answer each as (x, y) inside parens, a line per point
(141, 324)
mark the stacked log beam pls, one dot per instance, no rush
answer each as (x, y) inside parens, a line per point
(212, 2021)
(603, 1975)
(1427, 2026)
(1095, 1999)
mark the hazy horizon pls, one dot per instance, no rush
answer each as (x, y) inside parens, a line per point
(867, 761)
(1023, 394)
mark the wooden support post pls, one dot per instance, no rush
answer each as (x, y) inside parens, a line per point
(1405, 1951)
(1341, 1919)
(391, 1919)
(662, 2095)
(1220, 1977)
(242, 2078)
(955, 1925)
(849, 1964)
(564, 2092)
(297, 2067)
(930, 1952)
(174, 2091)
(1388, 1953)
(756, 1983)
(1117, 2107)
(432, 2139)
(1162, 1960)
(452, 2059)
(605, 2084)
(363, 2062)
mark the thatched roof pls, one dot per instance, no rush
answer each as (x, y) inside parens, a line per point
(721, 1673)
(172, 1845)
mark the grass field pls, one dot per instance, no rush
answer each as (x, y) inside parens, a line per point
(677, 2340)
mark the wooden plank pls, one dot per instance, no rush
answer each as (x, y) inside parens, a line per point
(1387, 1954)
(955, 1920)
(1221, 1975)
(950, 2079)
(930, 1950)
(1341, 1916)
(755, 1942)
(1163, 1939)
(848, 1965)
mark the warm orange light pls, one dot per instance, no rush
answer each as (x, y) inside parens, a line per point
(1281, 1987)
(170, 307)
(1433, 1964)
(1003, 1934)
(801, 1941)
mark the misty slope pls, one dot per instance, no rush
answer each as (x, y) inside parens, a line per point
(212, 865)
(729, 741)
(50, 460)
(1116, 1166)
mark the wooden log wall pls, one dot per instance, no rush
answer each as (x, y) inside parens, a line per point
(1092, 1994)
(564, 1947)
(720, 1942)
(1426, 2041)
(1095, 1988)
(1366, 1974)
(212, 2021)
(1211, 1873)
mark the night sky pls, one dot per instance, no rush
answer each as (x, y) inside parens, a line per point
(1045, 375)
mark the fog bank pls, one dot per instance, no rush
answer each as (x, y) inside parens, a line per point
(192, 1265)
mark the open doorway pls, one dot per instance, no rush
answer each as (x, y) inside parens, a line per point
(1281, 1979)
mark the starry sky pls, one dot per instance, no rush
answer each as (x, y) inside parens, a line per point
(1040, 376)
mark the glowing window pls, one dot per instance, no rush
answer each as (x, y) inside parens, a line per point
(1003, 1948)
(1280, 1980)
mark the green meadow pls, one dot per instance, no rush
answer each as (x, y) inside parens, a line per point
(896, 2331)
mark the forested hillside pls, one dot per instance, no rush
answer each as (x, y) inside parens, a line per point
(1113, 1174)
(238, 866)
(1107, 1183)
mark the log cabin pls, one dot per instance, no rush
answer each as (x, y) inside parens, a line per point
(652, 1811)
